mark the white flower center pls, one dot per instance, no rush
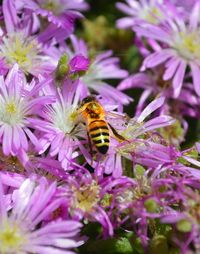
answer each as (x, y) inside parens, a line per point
(16, 48)
(188, 44)
(64, 118)
(11, 239)
(12, 112)
(151, 14)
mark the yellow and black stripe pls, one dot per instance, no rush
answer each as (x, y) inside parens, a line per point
(99, 134)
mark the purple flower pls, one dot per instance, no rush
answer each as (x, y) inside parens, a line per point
(137, 126)
(58, 121)
(187, 104)
(184, 6)
(18, 109)
(61, 14)
(78, 64)
(32, 203)
(90, 197)
(152, 11)
(181, 48)
(101, 68)
(20, 43)
(133, 131)
(25, 51)
(162, 192)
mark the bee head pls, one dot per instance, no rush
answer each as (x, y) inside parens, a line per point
(88, 99)
(90, 105)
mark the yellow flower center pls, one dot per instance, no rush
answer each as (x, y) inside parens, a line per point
(11, 108)
(188, 44)
(11, 239)
(73, 116)
(12, 112)
(64, 118)
(21, 51)
(16, 48)
(152, 14)
(87, 196)
(53, 6)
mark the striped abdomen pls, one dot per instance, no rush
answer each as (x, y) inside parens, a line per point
(99, 134)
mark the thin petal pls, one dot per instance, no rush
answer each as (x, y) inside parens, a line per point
(173, 65)
(195, 75)
(10, 15)
(33, 139)
(178, 78)
(194, 16)
(157, 58)
(7, 140)
(16, 138)
(2, 203)
(151, 108)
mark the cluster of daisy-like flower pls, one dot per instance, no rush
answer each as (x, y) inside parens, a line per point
(57, 193)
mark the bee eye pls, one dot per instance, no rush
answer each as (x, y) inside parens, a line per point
(88, 99)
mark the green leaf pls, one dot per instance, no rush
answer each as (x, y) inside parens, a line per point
(109, 246)
(137, 246)
(123, 246)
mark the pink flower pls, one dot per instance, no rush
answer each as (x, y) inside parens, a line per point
(180, 48)
(79, 63)
(18, 109)
(58, 121)
(102, 68)
(150, 11)
(61, 15)
(32, 203)
(20, 45)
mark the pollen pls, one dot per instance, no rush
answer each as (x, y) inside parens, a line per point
(21, 51)
(87, 197)
(12, 112)
(11, 239)
(16, 48)
(54, 6)
(11, 108)
(63, 117)
(152, 14)
(73, 116)
(188, 45)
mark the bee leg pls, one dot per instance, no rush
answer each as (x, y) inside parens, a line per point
(91, 150)
(119, 137)
(74, 128)
(89, 167)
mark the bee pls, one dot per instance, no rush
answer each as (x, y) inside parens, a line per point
(98, 128)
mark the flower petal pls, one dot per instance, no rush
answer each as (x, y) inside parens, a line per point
(178, 78)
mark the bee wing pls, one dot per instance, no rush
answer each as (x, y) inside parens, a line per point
(114, 114)
(119, 137)
(118, 120)
(132, 146)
